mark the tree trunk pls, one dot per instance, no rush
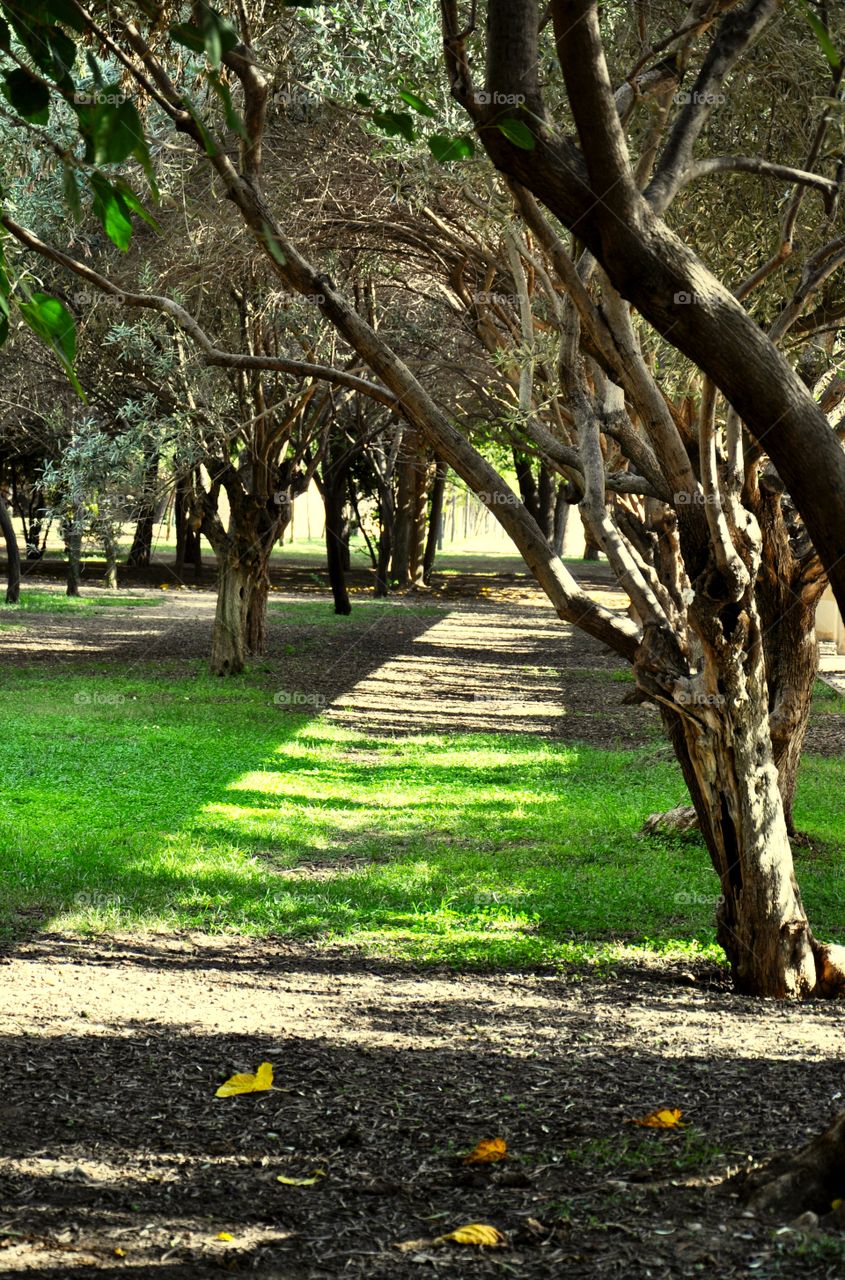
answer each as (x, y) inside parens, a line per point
(404, 518)
(806, 1180)
(334, 498)
(229, 637)
(13, 555)
(792, 663)
(435, 520)
(110, 549)
(561, 518)
(140, 553)
(188, 537)
(720, 731)
(546, 503)
(591, 547)
(73, 547)
(423, 474)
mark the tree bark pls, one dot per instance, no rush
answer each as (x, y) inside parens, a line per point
(808, 1179)
(73, 547)
(140, 553)
(229, 637)
(13, 555)
(719, 727)
(110, 549)
(561, 517)
(405, 511)
(435, 520)
(334, 498)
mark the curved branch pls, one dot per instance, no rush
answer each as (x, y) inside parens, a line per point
(214, 356)
(753, 164)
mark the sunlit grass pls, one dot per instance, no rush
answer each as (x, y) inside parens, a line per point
(144, 799)
(39, 601)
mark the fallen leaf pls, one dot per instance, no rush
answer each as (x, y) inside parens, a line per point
(245, 1082)
(302, 1182)
(488, 1151)
(477, 1233)
(119, 1253)
(225, 1235)
(663, 1118)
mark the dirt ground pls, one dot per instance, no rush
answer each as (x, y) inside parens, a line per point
(116, 1157)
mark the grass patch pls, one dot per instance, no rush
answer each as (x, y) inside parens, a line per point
(58, 602)
(153, 798)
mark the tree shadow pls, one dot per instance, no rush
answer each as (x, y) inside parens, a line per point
(112, 1136)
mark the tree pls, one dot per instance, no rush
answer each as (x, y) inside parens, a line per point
(689, 550)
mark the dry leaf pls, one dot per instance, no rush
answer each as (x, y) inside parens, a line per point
(225, 1235)
(245, 1082)
(119, 1253)
(302, 1182)
(477, 1233)
(663, 1118)
(488, 1151)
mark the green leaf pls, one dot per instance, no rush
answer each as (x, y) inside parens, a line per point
(415, 102)
(517, 133)
(29, 97)
(272, 245)
(134, 204)
(53, 52)
(54, 324)
(394, 123)
(214, 36)
(189, 37)
(822, 35)
(112, 211)
(445, 149)
(363, 100)
(233, 119)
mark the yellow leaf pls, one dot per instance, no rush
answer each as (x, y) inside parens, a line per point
(245, 1082)
(663, 1118)
(119, 1253)
(225, 1235)
(488, 1151)
(477, 1233)
(302, 1182)
(836, 1204)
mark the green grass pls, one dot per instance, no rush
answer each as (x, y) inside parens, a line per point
(152, 798)
(57, 602)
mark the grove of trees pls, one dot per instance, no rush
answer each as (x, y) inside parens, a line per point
(603, 246)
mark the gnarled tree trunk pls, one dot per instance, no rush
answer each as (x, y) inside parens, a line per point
(13, 555)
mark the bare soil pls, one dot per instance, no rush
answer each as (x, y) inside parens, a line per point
(116, 1157)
